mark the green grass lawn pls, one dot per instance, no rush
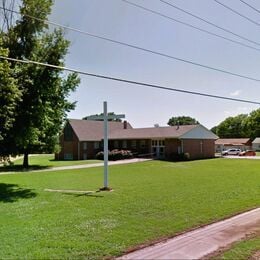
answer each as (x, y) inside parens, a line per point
(150, 200)
(242, 250)
(45, 161)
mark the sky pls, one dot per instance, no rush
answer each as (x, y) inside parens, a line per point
(144, 107)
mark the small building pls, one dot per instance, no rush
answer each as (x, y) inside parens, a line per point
(83, 139)
(228, 143)
(256, 144)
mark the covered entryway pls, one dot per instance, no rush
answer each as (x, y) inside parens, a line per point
(158, 148)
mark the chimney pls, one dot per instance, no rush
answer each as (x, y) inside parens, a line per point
(125, 124)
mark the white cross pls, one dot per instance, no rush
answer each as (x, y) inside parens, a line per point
(105, 117)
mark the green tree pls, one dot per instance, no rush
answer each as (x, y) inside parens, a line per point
(252, 124)
(43, 107)
(182, 120)
(232, 127)
(109, 114)
(214, 129)
(9, 97)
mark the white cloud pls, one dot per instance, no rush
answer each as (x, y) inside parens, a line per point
(235, 93)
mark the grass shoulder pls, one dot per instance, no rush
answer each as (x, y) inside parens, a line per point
(245, 249)
(43, 161)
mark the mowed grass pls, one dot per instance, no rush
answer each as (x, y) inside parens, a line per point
(46, 161)
(242, 250)
(151, 200)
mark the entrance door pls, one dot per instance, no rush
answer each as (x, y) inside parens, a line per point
(158, 148)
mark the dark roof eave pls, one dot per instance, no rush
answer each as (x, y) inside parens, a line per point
(145, 137)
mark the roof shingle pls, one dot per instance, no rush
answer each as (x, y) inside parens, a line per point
(89, 130)
(152, 132)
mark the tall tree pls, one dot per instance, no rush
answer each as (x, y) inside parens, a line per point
(232, 127)
(9, 97)
(44, 104)
(252, 124)
(182, 120)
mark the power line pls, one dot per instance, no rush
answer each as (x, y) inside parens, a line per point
(142, 49)
(128, 81)
(189, 25)
(236, 12)
(208, 22)
(252, 7)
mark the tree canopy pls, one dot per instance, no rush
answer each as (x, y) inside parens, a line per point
(182, 120)
(41, 93)
(240, 126)
(232, 127)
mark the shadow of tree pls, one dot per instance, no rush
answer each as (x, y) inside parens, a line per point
(20, 168)
(12, 193)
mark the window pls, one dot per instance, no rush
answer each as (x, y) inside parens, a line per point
(161, 151)
(158, 143)
(116, 144)
(201, 146)
(96, 145)
(124, 145)
(133, 144)
(68, 156)
(85, 146)
(142, 143)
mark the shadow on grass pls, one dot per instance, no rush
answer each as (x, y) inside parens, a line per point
(87, 194)
(20, 168)
(12, 193)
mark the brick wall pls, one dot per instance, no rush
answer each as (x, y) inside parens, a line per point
(171, 147)
(199, 148)
(68, 147)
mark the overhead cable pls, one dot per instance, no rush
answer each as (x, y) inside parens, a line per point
(238, 13)
(249, 5)
(143, 84)
(190, 25)
(143, 49)
(208, 22)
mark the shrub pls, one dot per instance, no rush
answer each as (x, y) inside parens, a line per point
(180, 157)
(115, 155)
(100, 156)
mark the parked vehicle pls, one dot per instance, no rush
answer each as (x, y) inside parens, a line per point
(233, 151)
(248, 153)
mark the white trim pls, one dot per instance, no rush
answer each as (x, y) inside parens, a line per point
(199, 132)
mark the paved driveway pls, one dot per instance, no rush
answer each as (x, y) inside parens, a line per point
(83, 166)
(242, 157)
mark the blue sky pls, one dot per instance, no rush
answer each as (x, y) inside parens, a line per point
(145, 107)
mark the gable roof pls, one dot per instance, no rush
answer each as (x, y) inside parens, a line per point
(89, 130)
(152, 132)
(233, 141)
(256, 141)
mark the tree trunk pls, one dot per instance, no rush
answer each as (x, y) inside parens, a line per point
(26, 159)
